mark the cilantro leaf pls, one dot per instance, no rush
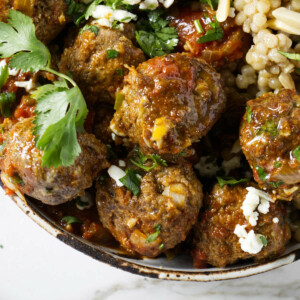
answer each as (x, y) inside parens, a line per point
(277, 164)
(230, 181)
(214, 34)
(7, 101)
(70, 220)
(248, 114)
(152, 237)
(293, 56)
(275, 184)
(111, 53)
(139, 160)
(270, 127)
(91, 28)
(263, 240)
(59, 114)
(154, 35)
(132, 181)
(18, 41)
(261, 173)
(296, 153)
(3, 75)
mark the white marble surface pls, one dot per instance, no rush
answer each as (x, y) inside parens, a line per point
(36, 266)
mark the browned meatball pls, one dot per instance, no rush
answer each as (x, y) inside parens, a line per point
(270, 140)
(215, 241)
(49, 16)
(88, 60)
(170, 102)
(21, 161)
(230, 47)
(160, 217)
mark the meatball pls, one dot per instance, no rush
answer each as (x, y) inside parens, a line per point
(232, 45)
(48, 16)
(158, 218)
(216, 240)
(270, 140)
(170, 102)
(21, 161)
(97, 74)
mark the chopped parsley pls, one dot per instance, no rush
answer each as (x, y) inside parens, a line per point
(91, 28)
(293, 56)
(212, 3)
(3, 75)
(132, 182)
(248, 114)
(270, 127)
(7, 101)
(277, 164)
(70, 220)
(296, 153)
(261, 173)
(276, 184)
(60, 110)
(16, 179)
(214, 34)
(152, 237)
(263, 240)
(198, 26)
(112, 53)
(230, 181)
(139, 159)
(154, 35)
(161, 246)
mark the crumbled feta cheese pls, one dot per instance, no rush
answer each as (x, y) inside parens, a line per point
(250, 242)
(231, 164)
(166, 3)
(275, 220)
(150, 4)
(207, 166)
(27, 85)
(2, 63)
(106, 16)
(255, 199)
(113, 136)
(122, 163)
(116, 174)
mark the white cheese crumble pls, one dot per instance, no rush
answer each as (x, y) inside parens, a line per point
(27, 85)
(11, 72)
(116, 174)
(150, 4)
(231, 164)
(207, 166)
(122, 163)
(275, 220)
(255, 199)
(249, 241)
(106, 16)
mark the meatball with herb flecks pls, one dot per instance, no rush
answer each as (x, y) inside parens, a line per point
(169, 103)
(238, 223)
(159, 210)
(270, 140)
(98, 61)
(22, 163)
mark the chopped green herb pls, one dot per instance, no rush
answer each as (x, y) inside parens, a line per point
(214, 34)
(277, 164)
(230, 181)
(276, 184)
(132, 181)
(112, 53)
(152, 237)
(248, 114)
(81, 203)
(120, 72)
(198, 26)
(293, 56)
(261, 173)
(261, 224)
(60, 110)
(119, 100)
(3, 75)
(7, 101)
(161, 246)
(16, 179)
(182, 153)
(263, 240)
(139, 160)
(70, 220)
(91, 28)
(154, 35)
(2, 146)
(270, 127)
(296, 153)
(212, 3)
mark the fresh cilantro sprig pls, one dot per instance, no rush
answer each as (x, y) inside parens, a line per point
(91, 28)
(60, 110)
(270, 127)
(3, 75)
(248, 113)
(154, 35)
(216, 33)
(70, 220)
(263, 240)
(7, 101)
(152, 237)
(139, 159)
(262, 174)
(230, 181)
(132, 181)
(293, 56)
(296, 153)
